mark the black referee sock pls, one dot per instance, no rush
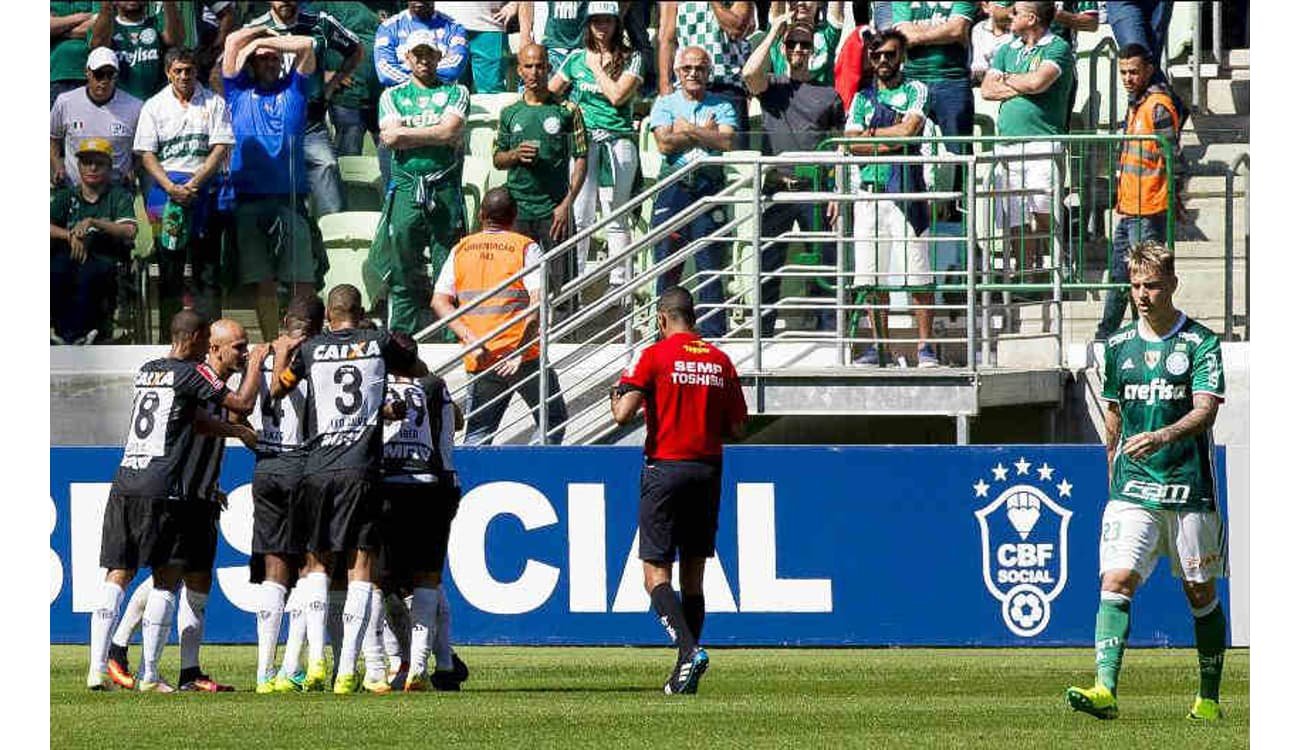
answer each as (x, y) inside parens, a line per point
(673, 619)
(693, 608)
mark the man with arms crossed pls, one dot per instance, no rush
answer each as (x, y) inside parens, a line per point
(347, 369)
(1164, 384)
(692, 401)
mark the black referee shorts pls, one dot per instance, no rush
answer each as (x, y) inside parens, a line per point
(340, 510)
(155, 531)
(679, 509)
(416, 523)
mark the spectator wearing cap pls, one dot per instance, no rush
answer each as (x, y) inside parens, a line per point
(139, 39)
(722, 30)
(182, 139)
(690, 124)
(422, 121)
(325, 31)
(602, 78)
(485, 37)
(798, 113)
(96, 110)
(268, 113)
(69, 24)
(391, 43)
(826, 21)
(92, 229)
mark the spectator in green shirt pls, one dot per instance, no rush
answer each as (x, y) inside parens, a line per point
(92, 228)
(354, 108)
(827, 22)
(536, 138)
(69, 23)
(139, 39)
(1031, 77)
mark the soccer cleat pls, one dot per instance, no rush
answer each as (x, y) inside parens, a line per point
(154, 687)
(205, 684)
(120, 673)
(294, 683)
(445, 680)
(925, 356)
(101, 682)
(1096, 700)
(420, 684)
(265, 687)
(1205, 709)
(317, 677)
(685, 678)
(378, 687)
(346, 684)
(459, 669)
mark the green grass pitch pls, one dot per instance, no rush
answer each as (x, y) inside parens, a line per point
(610, 697)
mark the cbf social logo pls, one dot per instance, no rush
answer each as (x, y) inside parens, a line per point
(1023, 531)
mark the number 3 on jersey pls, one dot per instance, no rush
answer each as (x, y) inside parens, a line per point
(149, 413)
(350, 396)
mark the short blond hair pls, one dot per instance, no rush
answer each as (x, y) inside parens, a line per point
(1149, 254)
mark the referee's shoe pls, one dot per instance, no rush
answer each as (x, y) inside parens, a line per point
(685, 678)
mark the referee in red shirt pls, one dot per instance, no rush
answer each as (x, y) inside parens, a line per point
(692, 401)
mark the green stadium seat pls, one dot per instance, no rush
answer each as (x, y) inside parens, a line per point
(347, 237)
(361, 183)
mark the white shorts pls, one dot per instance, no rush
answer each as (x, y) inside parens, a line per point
(1036, 171)
(1134, 538)
(882, 236)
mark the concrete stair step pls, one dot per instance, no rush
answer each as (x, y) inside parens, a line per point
(1206, 225)
(1212, 185)
(1239, 58)
(1228, 96)
(1206, 127)
(1241, 75)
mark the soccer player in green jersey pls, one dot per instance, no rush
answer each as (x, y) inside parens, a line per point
(1163, 385)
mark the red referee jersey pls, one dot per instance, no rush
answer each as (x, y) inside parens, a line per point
(693, 398)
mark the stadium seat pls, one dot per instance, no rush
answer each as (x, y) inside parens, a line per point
(361, 182)
(347, 237)
(492, 104)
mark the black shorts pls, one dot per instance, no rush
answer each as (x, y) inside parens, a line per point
(274, 528)
(340, 510)
(416, 524)
(679, 509)
(153, 532)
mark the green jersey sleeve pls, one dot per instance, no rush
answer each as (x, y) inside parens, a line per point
(860, 111)
(635, 66)
(458, 101)
(1059, 52)
(121, 206)
(502, 141)
(919, 101)
(1110, 379)
(388, 114)
(999, 61)
(964, 10)
(1207, 368)
(566, 67)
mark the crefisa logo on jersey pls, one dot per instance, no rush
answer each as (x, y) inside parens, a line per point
(1023, 531)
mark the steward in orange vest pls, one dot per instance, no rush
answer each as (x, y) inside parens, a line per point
(1143, 183)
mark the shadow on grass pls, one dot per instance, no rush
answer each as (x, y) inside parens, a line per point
(570, 689)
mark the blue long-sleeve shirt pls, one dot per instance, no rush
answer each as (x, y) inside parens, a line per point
(390, 47)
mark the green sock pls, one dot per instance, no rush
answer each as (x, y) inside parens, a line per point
(1111, 636)
(1211, 640)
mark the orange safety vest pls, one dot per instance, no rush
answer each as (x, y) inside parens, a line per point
(482, 261)
(1143, 187)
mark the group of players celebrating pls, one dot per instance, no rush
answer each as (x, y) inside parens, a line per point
(354, 491)
(353, 440)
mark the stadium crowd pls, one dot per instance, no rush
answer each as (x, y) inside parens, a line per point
(225, 122)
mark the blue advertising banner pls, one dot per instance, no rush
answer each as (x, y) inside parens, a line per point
(817, 546)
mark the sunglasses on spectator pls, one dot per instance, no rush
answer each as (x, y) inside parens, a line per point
(701, 69)
(805, 45)
(885, 55)
(102, 73)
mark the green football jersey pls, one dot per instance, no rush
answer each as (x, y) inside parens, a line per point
(557, 129)
(822, 64)
(910, 98)
(414, 106)
(566, 25)
(68, 55)
(1046, 112)
(597, 111)
(1153, 383)
(139, 48)
(937, 62)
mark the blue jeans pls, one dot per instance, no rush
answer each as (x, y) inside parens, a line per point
(780, 218)
(350, 127)
(83, 296)
(481, 425)
(1145, 22)
(711, 321)
(952, 107)
(1129, 231)
(322, 170)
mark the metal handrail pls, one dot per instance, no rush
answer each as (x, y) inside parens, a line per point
(1107, 44)
(1229, 198)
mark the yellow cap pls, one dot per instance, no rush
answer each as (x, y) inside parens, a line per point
(95, 146)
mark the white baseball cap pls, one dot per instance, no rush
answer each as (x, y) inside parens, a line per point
(421, 38)
(602, 9)
(101, 57)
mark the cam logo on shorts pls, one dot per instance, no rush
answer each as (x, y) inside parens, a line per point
(1024, 541)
